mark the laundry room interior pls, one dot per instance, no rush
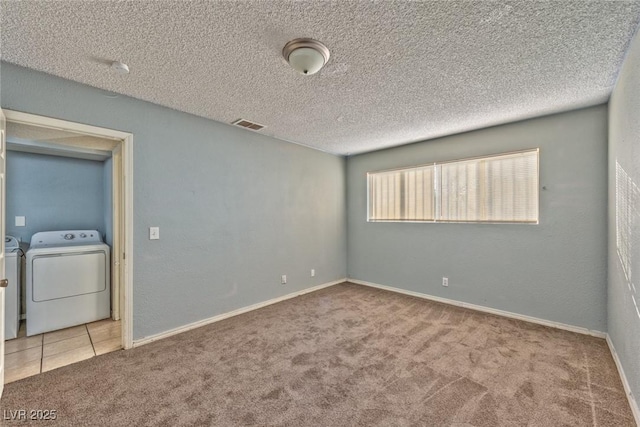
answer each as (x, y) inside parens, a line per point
(59, 237)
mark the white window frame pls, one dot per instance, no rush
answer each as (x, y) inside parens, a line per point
(437, 196)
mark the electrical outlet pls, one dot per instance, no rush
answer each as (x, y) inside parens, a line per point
(445, 281)
(313, 272)
(21, 221)
(154, 233)
(283, 280)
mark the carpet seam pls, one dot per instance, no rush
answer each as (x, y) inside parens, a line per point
(591, 399)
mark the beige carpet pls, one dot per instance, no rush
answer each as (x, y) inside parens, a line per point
(343, 356)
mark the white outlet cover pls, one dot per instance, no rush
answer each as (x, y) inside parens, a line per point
(154, 233)
(313, 273)
(21, 221)
(283, 279)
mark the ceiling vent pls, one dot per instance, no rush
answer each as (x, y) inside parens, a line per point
(247, 124)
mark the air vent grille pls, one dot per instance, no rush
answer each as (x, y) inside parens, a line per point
(247, 124)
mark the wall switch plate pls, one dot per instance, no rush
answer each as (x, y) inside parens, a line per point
(21, 221)
(154, 233)
(283, 279)
(313, 273)
(445, 281)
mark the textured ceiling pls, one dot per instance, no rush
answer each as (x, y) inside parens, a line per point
(399, 71)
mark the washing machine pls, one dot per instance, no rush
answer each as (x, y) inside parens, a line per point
(12, 263)
(68, 280)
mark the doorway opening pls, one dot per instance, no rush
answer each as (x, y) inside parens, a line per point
(70, 216)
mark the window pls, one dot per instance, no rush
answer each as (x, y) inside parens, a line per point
(502, 188)
(402, 195)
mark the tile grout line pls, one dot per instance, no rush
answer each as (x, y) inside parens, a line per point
(41, 352)
(93, 347)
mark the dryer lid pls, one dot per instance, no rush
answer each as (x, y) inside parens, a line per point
(45, 239)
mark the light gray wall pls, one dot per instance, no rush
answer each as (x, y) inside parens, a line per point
(624, 156)
(555, 270)
(236, 209)
(53, 193)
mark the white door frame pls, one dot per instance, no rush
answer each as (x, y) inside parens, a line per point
(2, 234)
(125, 261)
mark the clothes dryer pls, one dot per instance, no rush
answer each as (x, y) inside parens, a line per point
(68, 280)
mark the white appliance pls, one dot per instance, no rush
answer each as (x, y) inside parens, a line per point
(68, 280)
(12, 263)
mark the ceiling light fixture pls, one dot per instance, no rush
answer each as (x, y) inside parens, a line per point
(120, 67)
(306, 56)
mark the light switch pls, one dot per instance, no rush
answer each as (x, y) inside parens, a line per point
(21, 221)
(154, 233)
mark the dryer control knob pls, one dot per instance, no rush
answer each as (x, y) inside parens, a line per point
(68, 236)
(83, 235)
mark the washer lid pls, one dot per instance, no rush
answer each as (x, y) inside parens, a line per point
(10, 242)
(45, 239)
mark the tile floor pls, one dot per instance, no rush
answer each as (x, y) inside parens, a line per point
(27, 356)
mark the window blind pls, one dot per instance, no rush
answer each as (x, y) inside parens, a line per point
(501, 188)
(492, 189)
(402, 195)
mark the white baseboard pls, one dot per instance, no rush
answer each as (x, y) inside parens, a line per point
(219, 317)
(484, 309)
(625, 383)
